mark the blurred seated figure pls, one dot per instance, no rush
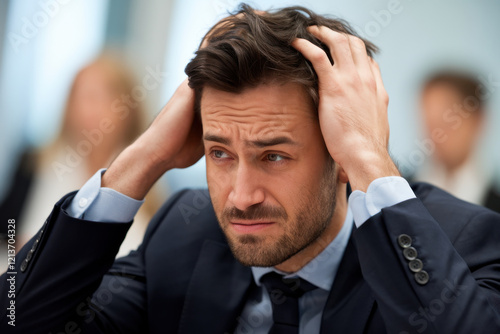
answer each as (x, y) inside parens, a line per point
(454, 114)
(101, 118)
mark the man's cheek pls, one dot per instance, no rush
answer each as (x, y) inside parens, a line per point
(218, 179)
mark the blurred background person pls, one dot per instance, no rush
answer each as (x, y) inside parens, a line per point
(101, 118)
(454, 116)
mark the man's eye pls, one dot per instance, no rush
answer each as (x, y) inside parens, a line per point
(218, 154)
(275, 157)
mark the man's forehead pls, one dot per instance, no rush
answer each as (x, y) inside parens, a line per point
(256, 132)
(270, 102)
(260, 117)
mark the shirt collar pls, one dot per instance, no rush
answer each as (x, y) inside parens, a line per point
(321, 270)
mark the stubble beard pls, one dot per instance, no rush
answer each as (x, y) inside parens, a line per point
(310, 222)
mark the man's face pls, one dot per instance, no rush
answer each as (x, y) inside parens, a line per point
(271, 180)
(444, 113)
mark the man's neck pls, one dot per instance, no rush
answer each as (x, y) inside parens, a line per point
(299, 260)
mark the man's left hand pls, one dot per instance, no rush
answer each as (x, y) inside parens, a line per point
(352, 106)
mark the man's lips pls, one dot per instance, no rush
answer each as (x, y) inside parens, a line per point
(249, 226)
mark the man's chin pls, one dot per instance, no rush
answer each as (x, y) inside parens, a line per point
(251, 251)
(253, 261)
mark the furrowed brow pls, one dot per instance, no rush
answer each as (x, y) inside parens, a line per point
(260, 143)
(271, 142)
(218, 139)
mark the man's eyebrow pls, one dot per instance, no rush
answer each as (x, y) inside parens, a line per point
(218, 139)
(260, 143)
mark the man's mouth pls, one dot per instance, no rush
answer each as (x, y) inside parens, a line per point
(250, 226)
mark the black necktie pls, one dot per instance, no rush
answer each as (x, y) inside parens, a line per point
(284, 294)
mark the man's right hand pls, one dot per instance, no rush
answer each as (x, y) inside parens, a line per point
(172, 141)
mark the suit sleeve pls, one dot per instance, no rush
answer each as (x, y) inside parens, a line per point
(67, 279)
(440, 285)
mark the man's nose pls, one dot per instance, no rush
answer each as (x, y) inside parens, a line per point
(246, 187)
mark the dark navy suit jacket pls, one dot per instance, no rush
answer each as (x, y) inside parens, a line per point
(184, 278)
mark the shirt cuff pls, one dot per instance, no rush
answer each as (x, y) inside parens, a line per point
(97, 203)
(381, 193)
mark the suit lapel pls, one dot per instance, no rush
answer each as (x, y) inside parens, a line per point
(350, 302)
(216, 292)
(219, 285)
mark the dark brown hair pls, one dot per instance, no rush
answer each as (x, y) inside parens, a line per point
(251, 47)
(463, 83)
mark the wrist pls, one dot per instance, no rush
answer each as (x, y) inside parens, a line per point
(365, 167)
(134, 171)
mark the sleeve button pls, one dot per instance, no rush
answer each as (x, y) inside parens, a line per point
(422, 277)
(416, 265)
(24, 265)
(29, 256)
(410, 253)
(35, 245)
(404, 240)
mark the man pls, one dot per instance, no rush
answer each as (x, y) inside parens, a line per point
(454, 115)
(283, 131)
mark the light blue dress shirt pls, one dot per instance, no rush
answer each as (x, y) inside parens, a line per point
(320, 271)
(106, 205)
